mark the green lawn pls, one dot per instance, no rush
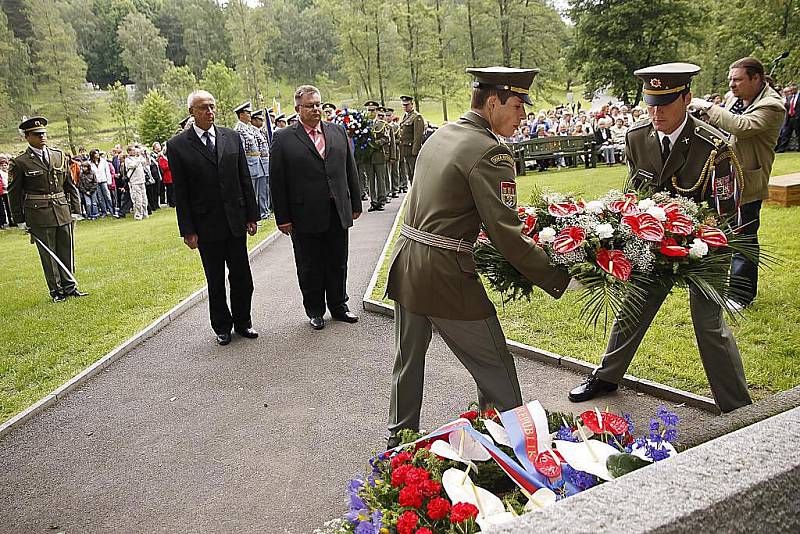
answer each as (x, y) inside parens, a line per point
(768, 336)
(134, 272)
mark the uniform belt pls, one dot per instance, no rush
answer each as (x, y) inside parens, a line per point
(252, 154)
(435, 240)
(51, 196)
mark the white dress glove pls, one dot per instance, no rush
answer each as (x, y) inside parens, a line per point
(700, 104)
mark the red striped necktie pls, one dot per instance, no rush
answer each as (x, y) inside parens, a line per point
(319, 141)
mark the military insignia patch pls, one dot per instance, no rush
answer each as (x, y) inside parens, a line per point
(508, 194)
(504, 160)
(655, 82)
(645, 175)
(724, 187)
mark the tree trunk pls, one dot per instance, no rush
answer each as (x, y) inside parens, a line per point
(522, 35)
(378, 59)
(471, 34)
(412, 56)
(441, 57)
(505, 23)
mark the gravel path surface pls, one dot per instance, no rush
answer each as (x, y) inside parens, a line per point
(182, 435)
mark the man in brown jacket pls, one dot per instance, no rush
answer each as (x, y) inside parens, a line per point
(464, 179)
(753, 115)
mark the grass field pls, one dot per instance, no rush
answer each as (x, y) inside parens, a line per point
(134, 271)
(768, 335)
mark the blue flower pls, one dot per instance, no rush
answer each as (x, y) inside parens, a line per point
(377, 520)
(580, 479)
(657, 453)
(356, 502)
(629, 420)
(565, 434)
(670, 434)
(655, 426)
(669, 418)
(365, 527)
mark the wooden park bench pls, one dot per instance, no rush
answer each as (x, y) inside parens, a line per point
(785, 190)
(555, 147)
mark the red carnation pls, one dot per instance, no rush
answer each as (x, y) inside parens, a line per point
(410, 496)
(463, 511)
(400, 459)
(407, 522)
(416, 475)
(424, 530)
(491, 413)
(430, 488)
(438, 508)
(471, 415)
(399, 475)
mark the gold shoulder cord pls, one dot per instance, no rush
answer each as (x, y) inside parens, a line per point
(705, 174)
(62, 166)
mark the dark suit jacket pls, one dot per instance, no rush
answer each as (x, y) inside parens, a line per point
(213, 194)
(602, 135)
(302, 184)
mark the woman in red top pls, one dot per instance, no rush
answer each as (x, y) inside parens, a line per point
(166, 176)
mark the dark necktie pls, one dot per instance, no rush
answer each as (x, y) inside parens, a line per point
(44, 158)
(665, 149)
(209, 142)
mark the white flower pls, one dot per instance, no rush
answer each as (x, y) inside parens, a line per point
(594, 206)
(547, 235)
(604, 231)
(646, 204)
(657, 212)
(698, 248)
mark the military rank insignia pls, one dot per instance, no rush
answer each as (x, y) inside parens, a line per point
(508, 194)
(504, 160)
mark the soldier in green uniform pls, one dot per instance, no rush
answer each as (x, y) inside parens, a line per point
(376, 159)
(464, 179)
(328, 111)
(412, 128)
(393, 167)
(363, 156)
(43, 199)
(675, 152)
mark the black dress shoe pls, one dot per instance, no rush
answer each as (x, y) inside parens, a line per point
(223, 339)
(317, 323)
(249, 333)
(346, 316)
(592, 387)
(76, 293)
(58, 297)
(372, 208)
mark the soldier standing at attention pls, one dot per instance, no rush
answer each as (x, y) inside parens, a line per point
(328, 111)
(253, 151)
(257, 122)
(412, 128)
(464, 179)
(43, 198)
(393, 167)
(678, 153)
(376, 160)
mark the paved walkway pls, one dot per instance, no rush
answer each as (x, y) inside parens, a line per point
(181, 435)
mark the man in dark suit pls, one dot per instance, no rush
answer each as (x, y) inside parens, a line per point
(216, 207)
(316, 197)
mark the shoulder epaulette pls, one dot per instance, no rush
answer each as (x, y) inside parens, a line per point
(710, 134)
(640, 124)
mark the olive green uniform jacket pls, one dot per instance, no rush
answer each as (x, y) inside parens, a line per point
(462, 174)
(30, 176)
(412, 128)
(754, 135)
(685, 164)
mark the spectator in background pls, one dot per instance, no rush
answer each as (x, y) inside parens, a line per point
(100, 168)
(5, 208)
(618, 131)
(152, 176)
(87, 185)
(166, 177)
(134, 164)
(585, 125)
(158, 149)
(82, 154)
(603, 142)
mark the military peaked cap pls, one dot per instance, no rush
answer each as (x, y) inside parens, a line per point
(328, 105)
(259, 114)
(241, 108)
(664, 83)
(371, 104)
(405, 99)
(281, 117)
(517, 81)
(293, 117)
(33, 125)
(182, 124)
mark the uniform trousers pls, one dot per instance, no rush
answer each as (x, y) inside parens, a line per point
(741, 267)
(139, 200)
(321, 261)
(59, 240)
(215, 255)
(479, 345)
(376, 182)
(394, 175)
(407, 164)
(718, 351)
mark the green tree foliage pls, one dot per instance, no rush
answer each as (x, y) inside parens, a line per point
(60, 71)
(204, 35)
(176, 84)
(170, 24)
(249, 39)
(157, 119)
(226, 86)
(123, 112)
(615, 37)
(96, 23)
(16, 85)
(143, 51)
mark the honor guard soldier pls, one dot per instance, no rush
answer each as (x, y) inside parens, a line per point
(43, 198)
(464, 180)
(252, 150)
(678, 153)
(280, 121)
(412, 128)
(292, 119)
(363, 155)
(393, 167)
(376, 161)
(262, 195)
(328, 111)
(188, 121)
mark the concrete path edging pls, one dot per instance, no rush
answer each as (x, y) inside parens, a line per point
(79, 379)
(656, 389)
